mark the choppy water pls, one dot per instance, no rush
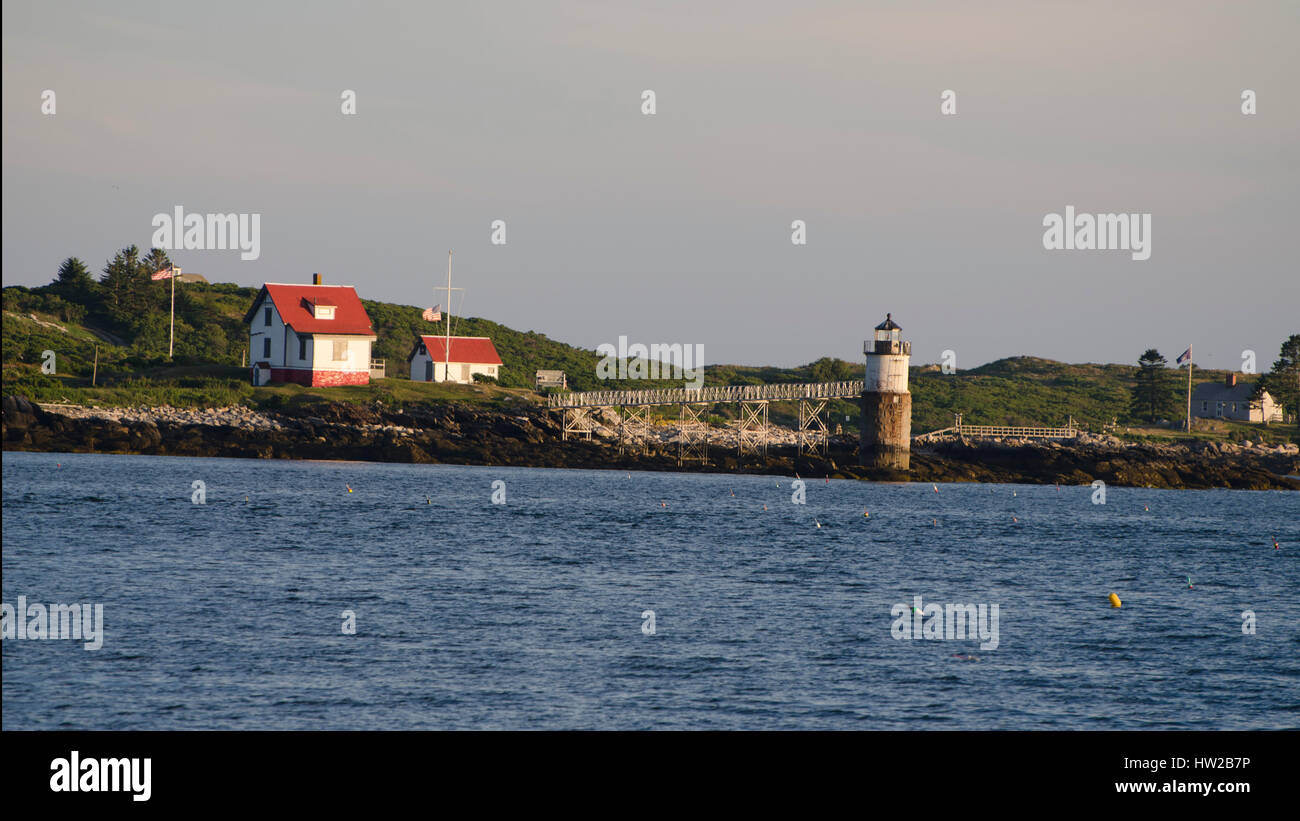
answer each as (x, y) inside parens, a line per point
(226, 615)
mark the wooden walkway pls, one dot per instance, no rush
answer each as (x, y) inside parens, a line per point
(962, 429)
(1024, 433)
(704, 396)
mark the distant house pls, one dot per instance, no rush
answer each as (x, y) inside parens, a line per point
(310, 334)
(1230, 399)
(192, 278)
(551, 379)
(469, 355)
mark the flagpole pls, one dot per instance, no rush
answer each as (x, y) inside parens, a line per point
(1189, 389)
(171, 336)
(446, 367)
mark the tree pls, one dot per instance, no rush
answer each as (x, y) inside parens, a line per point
(119, 279)
(828, 369)
(1283, 381)
(156, 260)
(73, 281)
(1154, 392)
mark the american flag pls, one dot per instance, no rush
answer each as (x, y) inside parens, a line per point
(1187, 354)
(165, 273)
(433, 314)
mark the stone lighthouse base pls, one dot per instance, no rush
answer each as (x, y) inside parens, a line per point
(886, 431)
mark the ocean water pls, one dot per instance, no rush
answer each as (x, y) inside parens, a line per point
(529, 614)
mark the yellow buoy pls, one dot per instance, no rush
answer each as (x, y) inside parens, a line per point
(1114, 600)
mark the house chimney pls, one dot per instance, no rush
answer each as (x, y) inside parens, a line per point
(317, 279)
(1230, 380)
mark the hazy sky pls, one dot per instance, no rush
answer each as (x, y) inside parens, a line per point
(676, 227)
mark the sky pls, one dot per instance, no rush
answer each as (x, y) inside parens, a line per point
(676, 226)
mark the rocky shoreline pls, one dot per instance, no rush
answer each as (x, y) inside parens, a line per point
(530, 437)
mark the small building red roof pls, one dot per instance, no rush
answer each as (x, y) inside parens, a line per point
(474, 350)
(293, 304)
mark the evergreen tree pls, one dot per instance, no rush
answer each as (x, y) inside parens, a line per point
(73, 281)
(154, 261)
(1154, 393)
(1283, 381)
(117, 280)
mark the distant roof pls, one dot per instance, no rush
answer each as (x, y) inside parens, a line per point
(475, 350)
(1219, 392)
(292, 301)
(889, 324)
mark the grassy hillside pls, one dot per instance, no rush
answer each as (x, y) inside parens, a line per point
(211, 339)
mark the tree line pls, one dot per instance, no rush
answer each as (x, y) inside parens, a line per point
(128, 303)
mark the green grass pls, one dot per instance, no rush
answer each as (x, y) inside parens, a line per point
(393, 392)
(197, 386)
(1219, 430)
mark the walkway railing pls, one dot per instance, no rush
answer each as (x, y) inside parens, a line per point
(726, 393)
(1067, 432)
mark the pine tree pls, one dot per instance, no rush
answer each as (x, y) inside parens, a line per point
(1283, 381)
(1153, 393)
(73, 281)
(117, 279)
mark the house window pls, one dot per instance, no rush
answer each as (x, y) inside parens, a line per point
(266, 348)
(266, 314)
(302, 348)
(1204, 409)
(340, 350)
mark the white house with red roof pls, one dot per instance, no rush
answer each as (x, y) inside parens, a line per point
(310, 334)
(469, 355)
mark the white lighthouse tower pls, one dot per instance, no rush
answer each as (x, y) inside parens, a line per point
(886, 403)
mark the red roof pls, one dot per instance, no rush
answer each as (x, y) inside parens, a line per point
(475, 350)
(293, 301)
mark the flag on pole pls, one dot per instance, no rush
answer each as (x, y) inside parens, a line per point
(1187, 355)
(165, 273)
(433, 314)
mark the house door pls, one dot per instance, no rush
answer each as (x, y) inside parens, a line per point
(464, 373)
(428, 371)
